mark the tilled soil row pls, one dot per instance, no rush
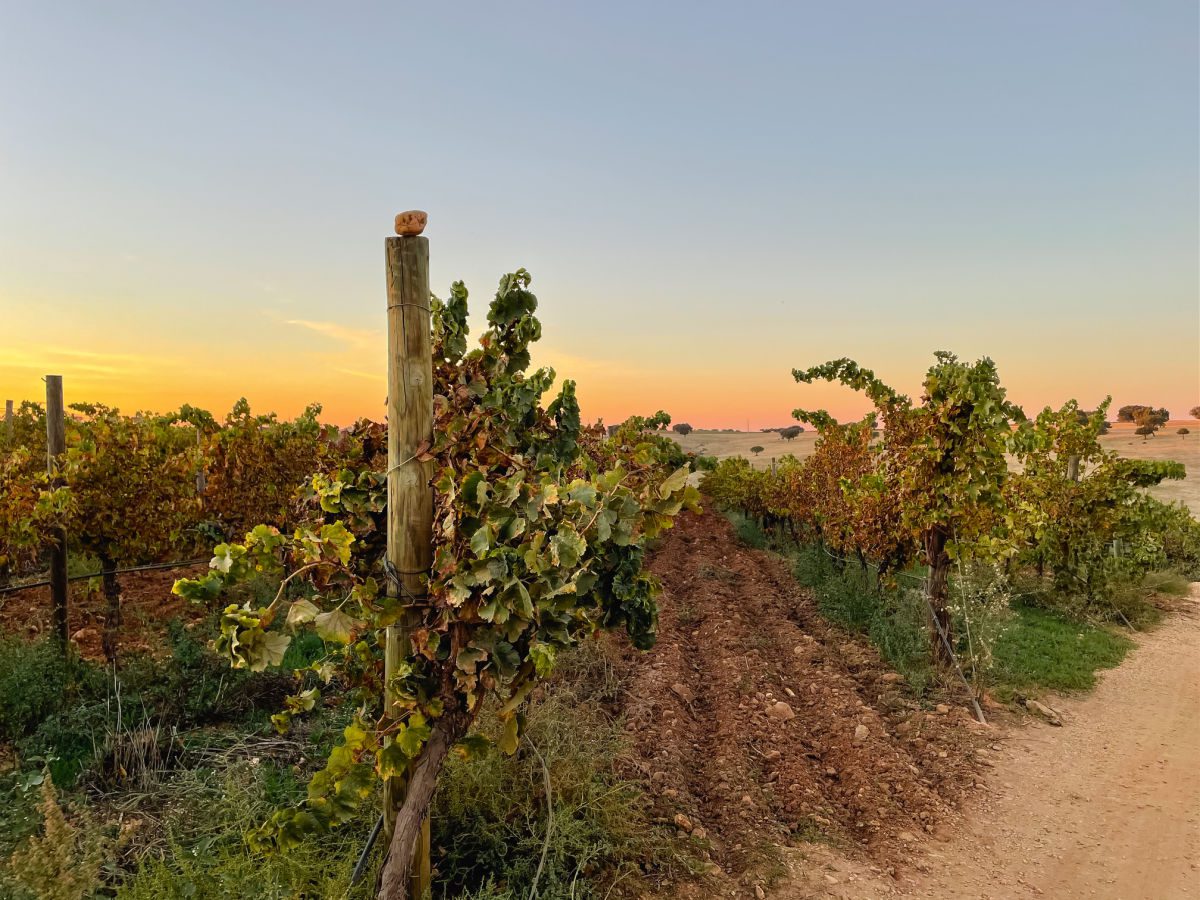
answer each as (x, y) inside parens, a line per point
(756, 722)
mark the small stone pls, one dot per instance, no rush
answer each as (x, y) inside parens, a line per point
(781, 711)
(759, 892)
(683, 823)
(907, 837)
(683, 692)
(1045, 712)
(411, 222)
(891, 677)
(861, 733)
(942, 709)
(772, 755)
(699, 833)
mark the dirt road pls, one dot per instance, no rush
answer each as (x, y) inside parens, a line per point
(1106, 807)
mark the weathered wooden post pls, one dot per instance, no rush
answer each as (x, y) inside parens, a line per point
(201, 473)
(8, 422)
(1073, 468)
(56, 445)
(410, 492)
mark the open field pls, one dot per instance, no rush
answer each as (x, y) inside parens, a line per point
(1165, 445)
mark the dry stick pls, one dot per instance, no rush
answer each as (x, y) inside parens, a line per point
(56, 446)
(361, 866)
(957, 667)
(549, 818)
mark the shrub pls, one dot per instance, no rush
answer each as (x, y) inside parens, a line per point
(205, 853)
(490, 816)
(62, 863)
(33, 681)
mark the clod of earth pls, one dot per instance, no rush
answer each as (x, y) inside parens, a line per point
(781, 711)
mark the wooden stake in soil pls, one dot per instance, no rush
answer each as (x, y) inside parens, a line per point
(201, 473)
(56, 445)
(410, 493)
(8, 422)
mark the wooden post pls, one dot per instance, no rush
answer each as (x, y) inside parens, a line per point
(8, 422)
(410, 493)
(201, 473)
(56, 445)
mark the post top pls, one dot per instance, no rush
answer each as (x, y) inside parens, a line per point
(411, 222)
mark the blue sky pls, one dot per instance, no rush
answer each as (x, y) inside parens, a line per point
(193, 198)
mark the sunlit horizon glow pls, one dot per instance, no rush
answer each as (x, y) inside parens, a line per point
(193, 200)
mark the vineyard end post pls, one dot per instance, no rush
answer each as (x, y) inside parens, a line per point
(8, 422)
(56, 445)
(410, 492)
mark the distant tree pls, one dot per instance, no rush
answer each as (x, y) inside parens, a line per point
(1194, 412)
(790, 434)
(1149, 418)
(682, 428)
(1143, 415)
(756, 450)
(1183, 432)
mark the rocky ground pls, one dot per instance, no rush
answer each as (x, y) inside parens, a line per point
(758, 725)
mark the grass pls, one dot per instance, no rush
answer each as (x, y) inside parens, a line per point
(1044, 651)
(1038, 649)
(491, 815)
(224, 773)
(202, 852)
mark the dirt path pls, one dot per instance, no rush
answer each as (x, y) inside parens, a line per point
(1106, 807)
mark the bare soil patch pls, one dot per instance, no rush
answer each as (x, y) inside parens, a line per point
(147, 605)
(757, 723)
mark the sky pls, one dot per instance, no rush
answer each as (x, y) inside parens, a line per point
(194, 197)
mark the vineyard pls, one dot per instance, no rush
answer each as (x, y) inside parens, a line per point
(485, 649)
